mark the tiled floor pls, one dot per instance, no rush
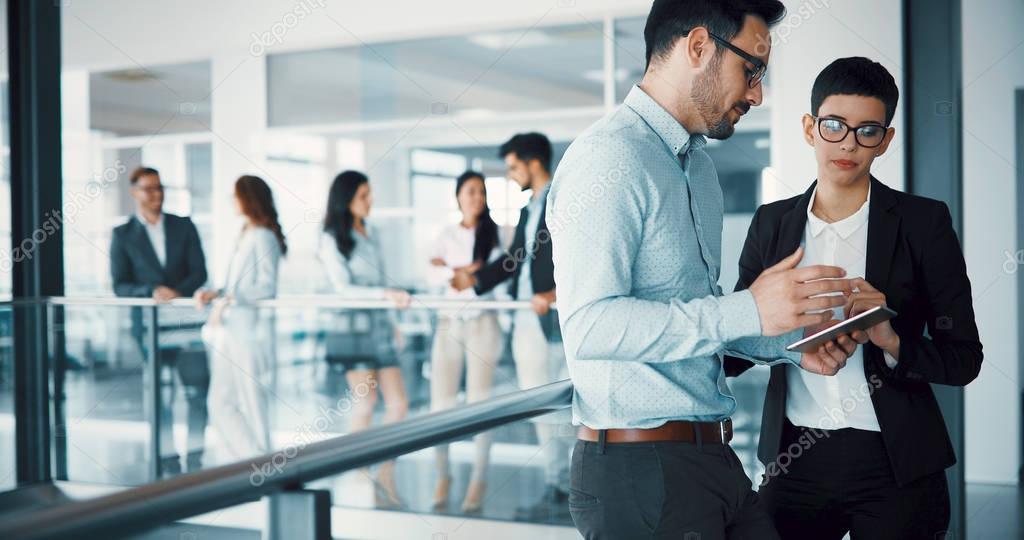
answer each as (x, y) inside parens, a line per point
(994, 512)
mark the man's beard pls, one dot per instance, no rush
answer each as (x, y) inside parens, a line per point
(705, 95)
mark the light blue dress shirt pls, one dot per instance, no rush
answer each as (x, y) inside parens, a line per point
(635, 212)
(524, 290)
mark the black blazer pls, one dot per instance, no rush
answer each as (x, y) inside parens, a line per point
(542, 269)
(915, 259)
(135, 269)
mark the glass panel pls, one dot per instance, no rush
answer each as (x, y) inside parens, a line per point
(477, 75)
(6, 253)
(102, 432)
(8, 472)
(114, 121)
(630, 54)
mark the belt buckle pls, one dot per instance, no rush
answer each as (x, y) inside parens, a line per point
(722, 430)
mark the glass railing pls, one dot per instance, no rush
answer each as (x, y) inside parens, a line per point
(149, 391)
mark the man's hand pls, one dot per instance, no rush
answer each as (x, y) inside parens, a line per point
(437, 261)
(164, 294)
(829, 358)
(542, 302)
(783, 294)
(462, 280)
(867, 297)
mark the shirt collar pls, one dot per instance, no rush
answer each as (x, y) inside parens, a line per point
(844, 227)
(539, 199)
(671, 132)
(142, 220)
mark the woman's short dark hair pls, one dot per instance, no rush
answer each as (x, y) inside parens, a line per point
(856, 76)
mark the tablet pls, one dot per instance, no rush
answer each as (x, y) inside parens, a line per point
(862, 321)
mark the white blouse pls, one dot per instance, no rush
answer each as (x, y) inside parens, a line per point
(454, 245)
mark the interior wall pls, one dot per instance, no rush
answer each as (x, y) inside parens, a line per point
(993, 68)
(813, 34)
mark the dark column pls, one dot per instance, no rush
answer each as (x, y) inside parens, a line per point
(33, 50)
(932, 90)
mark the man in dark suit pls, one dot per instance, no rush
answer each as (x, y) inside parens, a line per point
(864, 452)
(159, 255)
(536, 338)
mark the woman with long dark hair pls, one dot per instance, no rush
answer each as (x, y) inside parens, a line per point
(464, 336)
(352, 258)
(239, 337)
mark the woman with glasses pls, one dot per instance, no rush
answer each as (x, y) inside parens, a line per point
(864, 452)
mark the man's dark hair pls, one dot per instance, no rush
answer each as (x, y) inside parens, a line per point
(856, 76)
(527, 146)
(139, 172)
(670, 20)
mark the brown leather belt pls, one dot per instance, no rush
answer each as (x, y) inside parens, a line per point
(677, 431)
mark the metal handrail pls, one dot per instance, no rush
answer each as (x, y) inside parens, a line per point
(327, 301)
(166, 501)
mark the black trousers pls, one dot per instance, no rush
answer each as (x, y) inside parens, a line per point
(829, 482)
(686, 491)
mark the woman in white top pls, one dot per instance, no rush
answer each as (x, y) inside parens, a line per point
(464, 335)
(353, 262)
(239, 334)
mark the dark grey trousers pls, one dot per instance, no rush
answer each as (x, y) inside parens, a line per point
(686, 491)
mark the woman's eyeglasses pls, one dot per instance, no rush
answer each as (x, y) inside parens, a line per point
(835, 130)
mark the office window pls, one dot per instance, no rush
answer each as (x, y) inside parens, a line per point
(476, 75)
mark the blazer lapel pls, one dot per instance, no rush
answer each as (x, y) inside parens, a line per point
(792, 226)
(171, 240)
(883, 226)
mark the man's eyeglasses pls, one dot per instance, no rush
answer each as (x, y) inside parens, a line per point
(835, 130)
(755, 75)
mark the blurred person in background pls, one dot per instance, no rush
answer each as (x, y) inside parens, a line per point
(536, 338)
(158, 255)
(365, 342)
(241, 334)
(464, 335)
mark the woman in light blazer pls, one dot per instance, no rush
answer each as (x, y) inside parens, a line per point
(350, 252)
(238, 334)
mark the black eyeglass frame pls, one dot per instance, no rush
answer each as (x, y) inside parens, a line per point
(755, 77)
(855, 130)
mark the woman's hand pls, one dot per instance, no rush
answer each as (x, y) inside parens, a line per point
(829, 358)
(867, 297)
(437, 261)
(203, 297)
(400, 298)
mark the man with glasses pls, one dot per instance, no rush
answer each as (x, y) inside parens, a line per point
(158, 255)
(635, 213)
